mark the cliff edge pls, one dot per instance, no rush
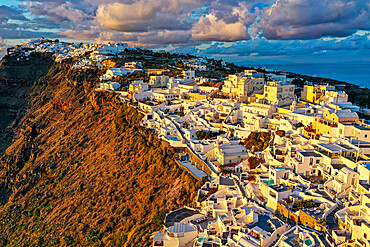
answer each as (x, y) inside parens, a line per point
(80, 171)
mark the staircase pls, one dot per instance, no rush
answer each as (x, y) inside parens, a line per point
(330, 219)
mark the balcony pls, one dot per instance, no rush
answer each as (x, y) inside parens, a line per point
(309, 130)
(327, 153)
(328, 122)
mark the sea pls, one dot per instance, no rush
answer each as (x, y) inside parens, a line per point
(358, 74)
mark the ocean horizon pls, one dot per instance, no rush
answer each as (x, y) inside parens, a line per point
(358, 74)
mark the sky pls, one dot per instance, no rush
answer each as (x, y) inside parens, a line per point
(255, 31)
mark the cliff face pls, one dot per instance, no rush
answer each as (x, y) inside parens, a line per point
(16, 80)
(80, 170)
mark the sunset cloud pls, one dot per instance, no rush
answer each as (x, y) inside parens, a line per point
(210, 28)
(144, 15)
(302, 19)
(258, 27)
(58, 12)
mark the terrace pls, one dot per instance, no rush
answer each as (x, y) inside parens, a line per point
(316, 213)
(280, 187)
(328, 122)
(329, 150)
(178, 215)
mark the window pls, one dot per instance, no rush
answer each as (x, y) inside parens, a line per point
(272, 194)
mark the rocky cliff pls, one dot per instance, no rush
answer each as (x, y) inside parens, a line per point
(16, 80)
(80, 171)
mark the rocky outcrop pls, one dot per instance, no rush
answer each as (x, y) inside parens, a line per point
(16, 80)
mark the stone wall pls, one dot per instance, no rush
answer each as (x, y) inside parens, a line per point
(307, 220)
(287, 213)
(198, 162)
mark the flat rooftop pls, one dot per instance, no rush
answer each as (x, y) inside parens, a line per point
(178, 215)
(294, 240)
(265, 222)
(361, 144)
(279, 187)
(316, 213)
(334, 148)
(226, 181)
(210, 245)
(310, 154)
(338, 166)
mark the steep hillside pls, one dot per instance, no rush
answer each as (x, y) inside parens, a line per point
(16, 79)
(82, 172)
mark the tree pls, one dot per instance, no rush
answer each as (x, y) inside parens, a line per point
(231, 132)
(298, 82)
(254, 162)
(185, 125)
(257, 141)
(251, 178)
(280, 133)
(298, 125)
(278, 152)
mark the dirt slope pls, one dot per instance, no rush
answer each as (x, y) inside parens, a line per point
(82, 172)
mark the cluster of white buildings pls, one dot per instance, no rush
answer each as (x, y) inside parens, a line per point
(311, 183)
(281, 170)
(65, 50)
(198, 64)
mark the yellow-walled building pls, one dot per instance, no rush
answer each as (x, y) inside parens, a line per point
(313, 93)
(328, 124)
(276, 93)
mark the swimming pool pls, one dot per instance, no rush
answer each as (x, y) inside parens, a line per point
(308, 242)
(173, 138)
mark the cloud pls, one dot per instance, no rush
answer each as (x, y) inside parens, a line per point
(354, 45)
(251, 28)
(144, 15)
(80, 34)
(3, 46)
(312, 19)
(7, 13)
(58, 12)
(180, 37)
(210, 28)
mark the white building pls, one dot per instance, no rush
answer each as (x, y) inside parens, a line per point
(111, 49)
(109, 85)
(159, 80)
(114, 72)
(188, 75)
(177, 235)
(132, 65)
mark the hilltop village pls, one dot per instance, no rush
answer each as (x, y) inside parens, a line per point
(285, 162)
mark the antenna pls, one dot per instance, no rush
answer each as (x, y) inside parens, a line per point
(336, 104)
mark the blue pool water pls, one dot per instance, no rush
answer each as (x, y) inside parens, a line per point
(308, 242)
